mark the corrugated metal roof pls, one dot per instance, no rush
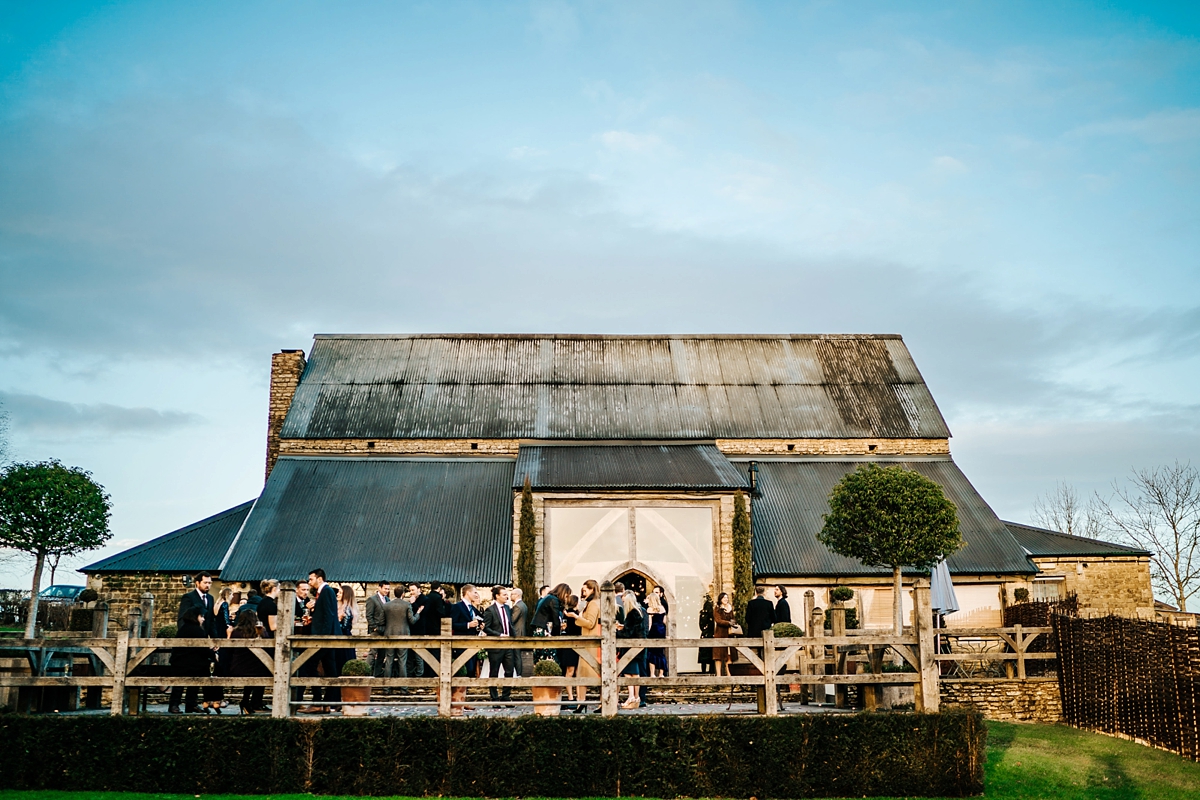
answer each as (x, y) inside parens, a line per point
(794, 497)
(1045, 542)
(194, 548)
(612, 387)
(627, 467)
(365, 519)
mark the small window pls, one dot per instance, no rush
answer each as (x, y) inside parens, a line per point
(370, 445)
(474, 445)
(791, 447)
(871, 447)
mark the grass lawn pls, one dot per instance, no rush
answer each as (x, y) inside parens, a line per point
(1024, 761)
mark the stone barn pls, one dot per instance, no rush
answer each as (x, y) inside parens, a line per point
(402, 457)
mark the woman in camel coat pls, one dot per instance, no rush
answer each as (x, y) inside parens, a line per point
(587, 617)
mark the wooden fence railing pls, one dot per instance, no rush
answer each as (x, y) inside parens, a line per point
(840, 658)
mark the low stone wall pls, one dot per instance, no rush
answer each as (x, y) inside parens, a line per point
(1024, 701)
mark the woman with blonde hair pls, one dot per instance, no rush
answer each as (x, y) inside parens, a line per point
(634, 627)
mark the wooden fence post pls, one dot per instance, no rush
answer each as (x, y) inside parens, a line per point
(100, 620)
(446, 661)
(147, 616)
(118, 687)
(134, 632)
(770, 695)
(816, 629)
(285, 629)
(1019, 638)
(927, 693)
(837, 627)
(610, 689)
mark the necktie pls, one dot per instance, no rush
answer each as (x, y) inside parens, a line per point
(504, 618)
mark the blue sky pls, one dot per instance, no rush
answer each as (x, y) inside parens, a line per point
(185, 188)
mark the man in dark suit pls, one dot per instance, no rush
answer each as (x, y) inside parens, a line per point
(198, 598)
(783, 612)
(416, 665)
(375, 604)
(323, 609)
(760, 614)
(497, 622)
(464, 621)
(433, 610)
(519, 612)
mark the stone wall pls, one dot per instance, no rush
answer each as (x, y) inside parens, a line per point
(1024, 701)
(398, 447)
(1118, 585)
(124, 591)
(286, 368)
(834, 447)
(508, 447)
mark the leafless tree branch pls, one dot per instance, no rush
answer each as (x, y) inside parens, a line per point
(1063, 510)
(1159, 511)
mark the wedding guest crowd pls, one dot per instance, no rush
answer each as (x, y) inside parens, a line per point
(322, 609)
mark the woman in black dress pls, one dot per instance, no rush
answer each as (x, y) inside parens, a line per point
(568, 659)
(244, 664)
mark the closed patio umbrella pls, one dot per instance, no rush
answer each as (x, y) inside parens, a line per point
(941, 589)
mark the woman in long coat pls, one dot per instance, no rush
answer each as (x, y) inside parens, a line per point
(723, 620)
(587, 617)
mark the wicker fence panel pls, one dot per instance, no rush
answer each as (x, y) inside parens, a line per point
(1132, 677)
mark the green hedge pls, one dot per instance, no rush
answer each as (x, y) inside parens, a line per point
(794, 756)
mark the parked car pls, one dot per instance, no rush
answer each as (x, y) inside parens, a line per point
(61, 593)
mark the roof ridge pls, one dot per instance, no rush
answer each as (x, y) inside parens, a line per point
(1072, 536)
(617, 336)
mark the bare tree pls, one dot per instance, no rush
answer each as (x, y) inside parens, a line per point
(1160, 511)
(1062, 510)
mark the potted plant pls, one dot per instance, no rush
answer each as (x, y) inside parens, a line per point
(546, 698)
(356, 668)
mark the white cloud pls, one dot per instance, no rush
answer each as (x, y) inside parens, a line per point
(948, 165)
(1161, 127)
(624, 141)
(36, 415)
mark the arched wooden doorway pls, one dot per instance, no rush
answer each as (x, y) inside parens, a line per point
(642, 579)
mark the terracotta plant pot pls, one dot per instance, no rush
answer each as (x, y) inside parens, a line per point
(457, 695)
(546, 699)
(356, 694)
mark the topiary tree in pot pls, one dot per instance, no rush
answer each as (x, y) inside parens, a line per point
(546, 698)
(356, 668)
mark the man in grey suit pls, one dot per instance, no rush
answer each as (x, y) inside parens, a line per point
(520, 627)
(398, 619)
(375, 623)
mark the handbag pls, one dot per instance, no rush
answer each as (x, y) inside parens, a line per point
(735, 630)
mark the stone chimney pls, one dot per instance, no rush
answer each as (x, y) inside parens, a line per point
(286, 368)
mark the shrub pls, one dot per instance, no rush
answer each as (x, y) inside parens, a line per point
(808, 755)
(167, 632)
(851, 618)
(841, 594)
(1021, 594)
(87, 596)
(547, 668)
(356, 668)
(786, 630)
